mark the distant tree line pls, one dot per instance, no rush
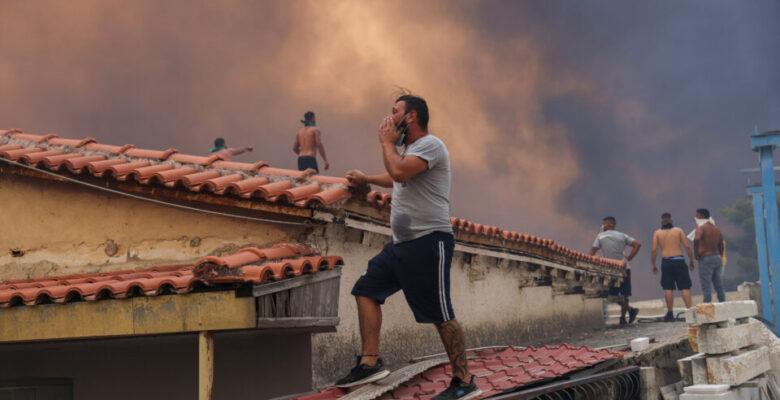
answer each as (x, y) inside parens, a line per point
(741, 248)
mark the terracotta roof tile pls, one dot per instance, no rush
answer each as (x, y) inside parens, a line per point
(170, 168)
(462, 225)
(496, 370)
(248, 265)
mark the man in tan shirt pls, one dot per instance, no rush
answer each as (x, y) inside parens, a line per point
(708, 247)
(674, 272)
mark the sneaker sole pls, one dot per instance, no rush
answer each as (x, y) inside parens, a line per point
(472, 395)
(373, 378)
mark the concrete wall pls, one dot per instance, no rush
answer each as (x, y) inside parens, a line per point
(247, 366)
(489, 299)
(63, 228)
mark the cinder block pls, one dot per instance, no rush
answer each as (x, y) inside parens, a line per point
(640, 344)
(648, 383)
(686, 368)
(693, 338)
(715, 340)
(699, 371)
(708, 313)
(707, 389)
(702, 392)
(737, 369)
(669, 392)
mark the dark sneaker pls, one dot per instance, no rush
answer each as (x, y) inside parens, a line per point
(632, 314)
(363, 373)
(669, 317)
(460, 390)
(623, 321)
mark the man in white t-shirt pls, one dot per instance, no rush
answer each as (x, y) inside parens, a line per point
(613, 245)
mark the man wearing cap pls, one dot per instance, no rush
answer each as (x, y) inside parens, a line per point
(307, 142)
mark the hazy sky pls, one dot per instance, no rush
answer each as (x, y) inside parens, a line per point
(555, 113)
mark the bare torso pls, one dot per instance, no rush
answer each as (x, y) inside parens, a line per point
(709, 239)
(670, 241)
(307, 141)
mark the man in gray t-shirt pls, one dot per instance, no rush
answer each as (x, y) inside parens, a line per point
(421, 205)
(418, 259)
(613, 245)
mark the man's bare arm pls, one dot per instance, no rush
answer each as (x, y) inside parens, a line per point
(296, 146)
(236, 150)
(636, 245)
(654, 252)
(696, 241)
(357, 177)
(688, 250)
(401, 169)
(321, 148)
(593, 251)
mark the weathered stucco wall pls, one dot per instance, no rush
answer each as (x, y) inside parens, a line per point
(62, 228)
(247, 365)
(487, 297)
(59, 228)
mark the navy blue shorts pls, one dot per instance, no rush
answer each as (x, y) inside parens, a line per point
(421, 267)
(306, 162)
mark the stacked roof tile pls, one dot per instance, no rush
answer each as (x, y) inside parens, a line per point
(497, 371)
(248, 265)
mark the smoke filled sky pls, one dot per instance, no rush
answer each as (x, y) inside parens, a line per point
(556, 114)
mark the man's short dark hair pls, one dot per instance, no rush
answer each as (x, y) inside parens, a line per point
(610, 220)
(704, 212)
(308, 116)
(219, 142)
(666, 216)
(417, 104)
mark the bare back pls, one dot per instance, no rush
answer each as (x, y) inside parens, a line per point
(307, 140)
(670, 241)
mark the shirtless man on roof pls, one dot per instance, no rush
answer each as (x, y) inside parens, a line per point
(226, 153)
(307, 142)
(674, 272)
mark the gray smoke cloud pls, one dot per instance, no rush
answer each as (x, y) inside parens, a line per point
(556, 114)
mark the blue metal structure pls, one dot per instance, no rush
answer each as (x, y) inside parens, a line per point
(767, 225)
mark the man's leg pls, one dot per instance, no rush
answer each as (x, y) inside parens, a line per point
(705, 276)
(455, 345)
(717, 280)
(686, 295)
(623, 307)
(370, 317)
(669, 294)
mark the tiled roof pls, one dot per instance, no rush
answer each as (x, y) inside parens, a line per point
(248, 265)
(497, 370)
(492, 232)
(208, 174)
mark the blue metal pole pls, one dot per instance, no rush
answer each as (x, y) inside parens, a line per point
(771, 221)
(763, 268)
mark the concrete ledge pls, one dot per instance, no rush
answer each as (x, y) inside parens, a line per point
(708, 313)
(686, 368)
(713, 339)
(737, 369)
